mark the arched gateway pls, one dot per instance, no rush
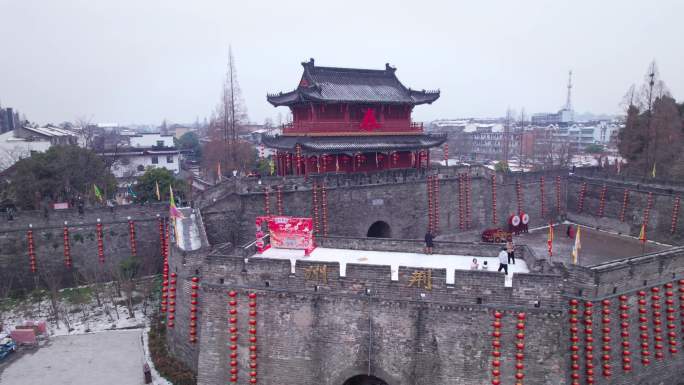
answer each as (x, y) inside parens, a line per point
(364, 380)
(379, 229)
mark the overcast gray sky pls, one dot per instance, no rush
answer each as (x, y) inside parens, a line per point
(140, 61)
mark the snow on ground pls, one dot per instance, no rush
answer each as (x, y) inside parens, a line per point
(394, 260)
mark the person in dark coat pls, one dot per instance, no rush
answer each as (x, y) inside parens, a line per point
(429, 242)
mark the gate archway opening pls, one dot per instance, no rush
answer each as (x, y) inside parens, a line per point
(379, 229)
(365, 380)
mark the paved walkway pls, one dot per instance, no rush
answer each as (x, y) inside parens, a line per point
(106, 358)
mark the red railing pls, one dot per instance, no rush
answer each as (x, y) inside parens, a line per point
(333, 127)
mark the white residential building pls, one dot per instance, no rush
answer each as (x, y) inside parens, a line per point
(144, 151)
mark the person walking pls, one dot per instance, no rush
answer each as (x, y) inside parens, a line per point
(510, 250)
(429, 242)
(503, 260)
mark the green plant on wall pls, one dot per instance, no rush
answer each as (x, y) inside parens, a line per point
(47, 236)
(78, 238)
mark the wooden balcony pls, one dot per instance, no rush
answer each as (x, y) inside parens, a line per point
(387, 127)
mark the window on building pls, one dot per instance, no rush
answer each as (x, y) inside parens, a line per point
(169, 159)
(155, 160)
(125, 161)
(160, 143)
(141, 168)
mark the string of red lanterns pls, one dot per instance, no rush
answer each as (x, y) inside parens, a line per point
(252, 338)
(518, 195)
(435, 181)
(267, 202)
(643, 327)
(588, 339)
(131, 235)
(675, 215)
(681, 304)
(279, 199)
(495, 219)
(625, 200)
(430, 204)
(324, 198)
(574, 342)
(582, 193)
(541, 193)
(605, 320)
(461, 202)
(67, 247)
(624, 333)
(558, 194)
(670, 317)
(233, 331)
(520, 349)
(657, 329)
(647, 211)
(602, 204)
(298, 159)
(31, 249)
(194, 295)
(446, 154)
(100, 242)
(467, 200)
(172, 300)
(496, 349)
(314, 192)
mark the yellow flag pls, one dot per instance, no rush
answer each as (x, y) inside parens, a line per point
(576, 248)
(653, 173)
(156, 190)
(642, 233)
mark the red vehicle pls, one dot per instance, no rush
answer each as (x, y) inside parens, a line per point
(496, 235)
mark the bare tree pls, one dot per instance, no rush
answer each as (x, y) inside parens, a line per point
(88, 131)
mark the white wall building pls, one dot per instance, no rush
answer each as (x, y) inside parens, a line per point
(150, 150)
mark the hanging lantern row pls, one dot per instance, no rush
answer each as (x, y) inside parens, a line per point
(298, 158)
(446, 154)
(261, 152)
(31, 249)
(360, 159)
(267, 202)
(588, 339)
(395, 158)
(435, 182)
(670, 317)
(324, 199)
(131, 235)
(495, 220)
(541, 193)
(461, 202)
(624, 333)
(625, 201)
(496, 349)
(314, 196)
(431, 225)
(582, 194)
(233, 335)
(165, 270)
(605, 320)
(657, 322)
(602, 204)
(467, 200)
(194, 295)
(100, 242)
(681, 304)
(252, 321)
(67, 247)
(574, 342)
(558, 194)
(520, 350)
(279, 199)
(675, 215)
(172, 300)
(643, 328)
(647, 211)
(518, 194)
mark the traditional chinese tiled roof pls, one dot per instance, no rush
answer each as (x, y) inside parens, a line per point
(351, 85)
(333, 144)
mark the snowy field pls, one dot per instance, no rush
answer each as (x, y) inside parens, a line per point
(394, 260)
(107, 358)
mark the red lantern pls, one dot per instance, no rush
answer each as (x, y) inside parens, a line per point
(67, 248)
(131, 235)
(675, 215)
(644, 327)
(495, 220)
(582, 193)
(558, 195)
(31, 250)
